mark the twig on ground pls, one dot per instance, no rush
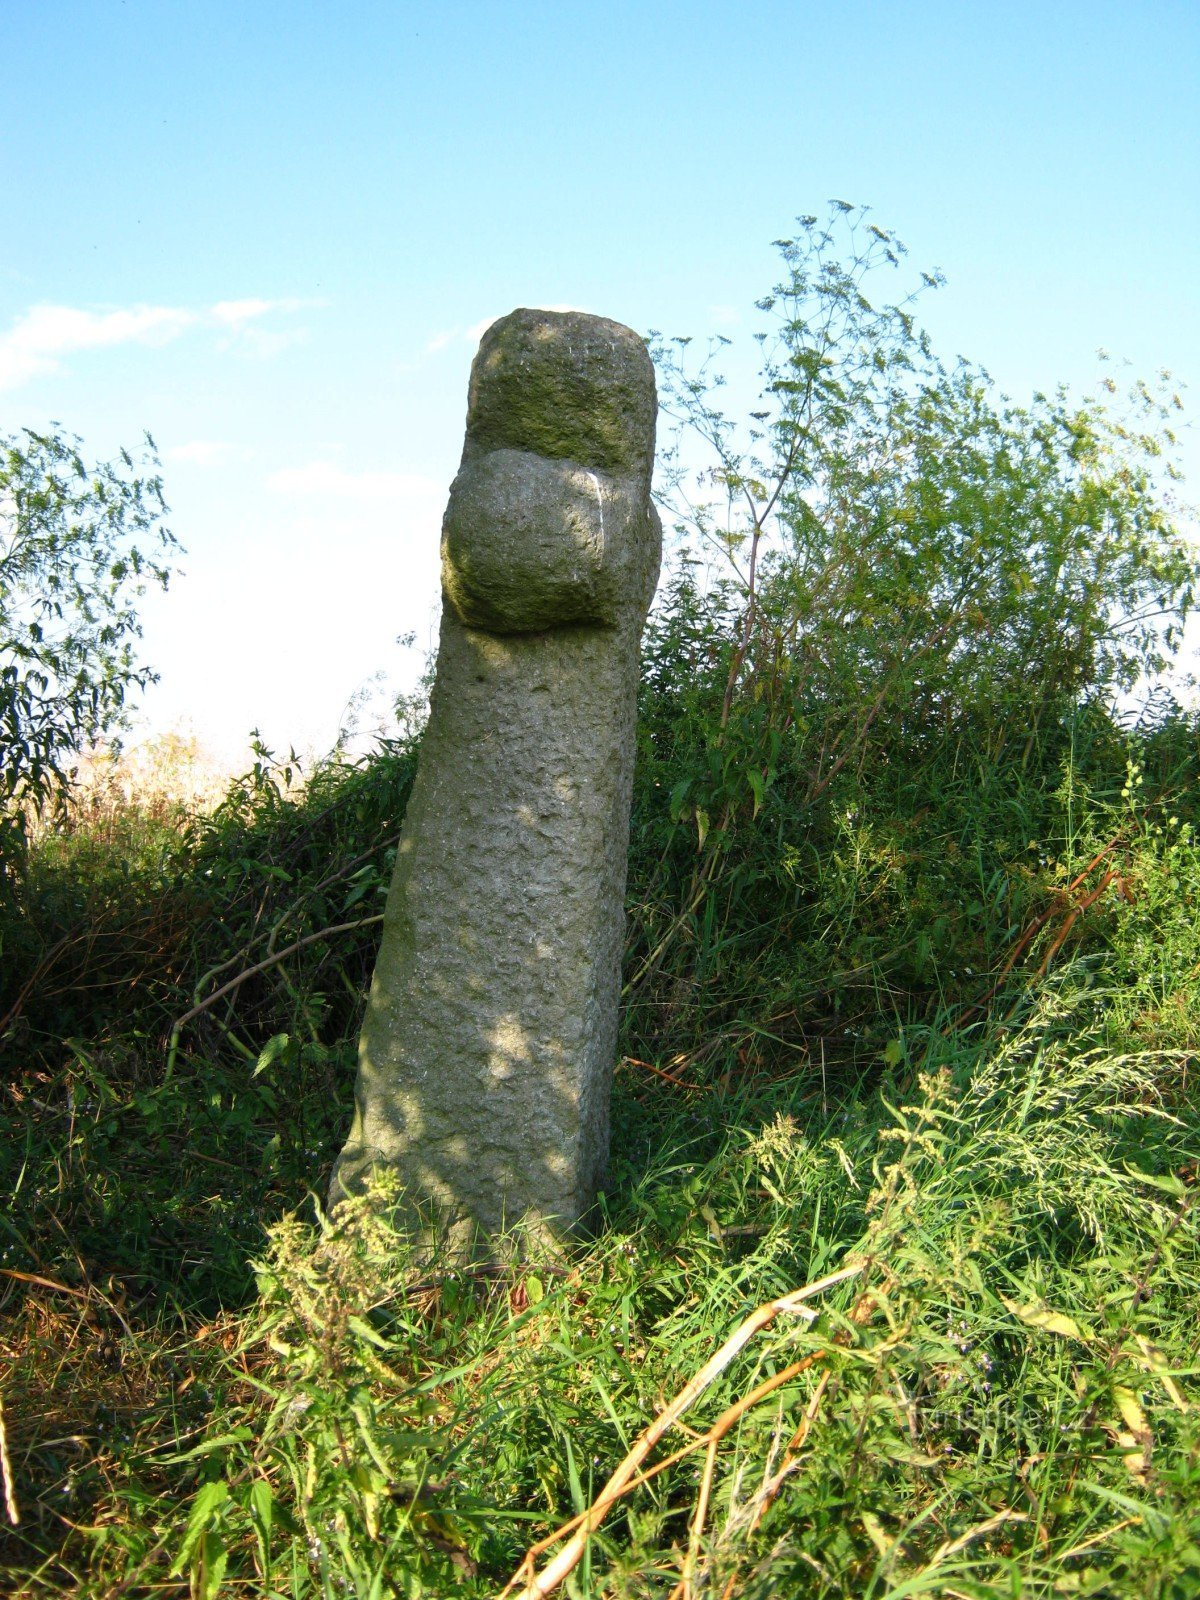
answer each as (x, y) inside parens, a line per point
(713, 1438)
(538, 1585)
(10, 1493)
(770, 1490)
(659, 1072)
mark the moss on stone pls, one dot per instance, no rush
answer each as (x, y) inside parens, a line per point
(565, 386)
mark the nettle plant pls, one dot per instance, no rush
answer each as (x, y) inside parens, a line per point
(898, 539)
(886, 561)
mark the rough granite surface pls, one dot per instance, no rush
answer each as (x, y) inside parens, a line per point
(489, 1041)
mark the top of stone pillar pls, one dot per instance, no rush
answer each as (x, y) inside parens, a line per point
(566, 386)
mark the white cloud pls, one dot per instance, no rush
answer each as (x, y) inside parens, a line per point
(39, 340)
(263, 342)
(240, 319)
(233, 313)
(477, 329)
(36, 341)
(458, 335)
(319, 478)
(201, 452)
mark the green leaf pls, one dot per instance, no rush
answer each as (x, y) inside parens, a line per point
(220, 1442)
(364, 1330)
(271, 1051)
(1166, 1182)
(578, 1501)
(262, 1502)
(678, 795)
(213, 1559)
(209, 1499)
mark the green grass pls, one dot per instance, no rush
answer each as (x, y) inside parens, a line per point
(997, 1404)
(988, 1123)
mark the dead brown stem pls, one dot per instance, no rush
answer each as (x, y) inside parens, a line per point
(537, 1585)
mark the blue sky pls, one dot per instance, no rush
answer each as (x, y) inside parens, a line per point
(271, 233)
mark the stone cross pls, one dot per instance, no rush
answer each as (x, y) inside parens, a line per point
(489, 1041)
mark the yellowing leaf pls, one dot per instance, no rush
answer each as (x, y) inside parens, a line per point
(1134, 1439)
(1039, 1316)
(1133, 1456)
(877, 1533)
(1129, 1408)
(1153, 1360)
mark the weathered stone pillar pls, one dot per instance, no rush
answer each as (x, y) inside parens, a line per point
(489, 1042)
